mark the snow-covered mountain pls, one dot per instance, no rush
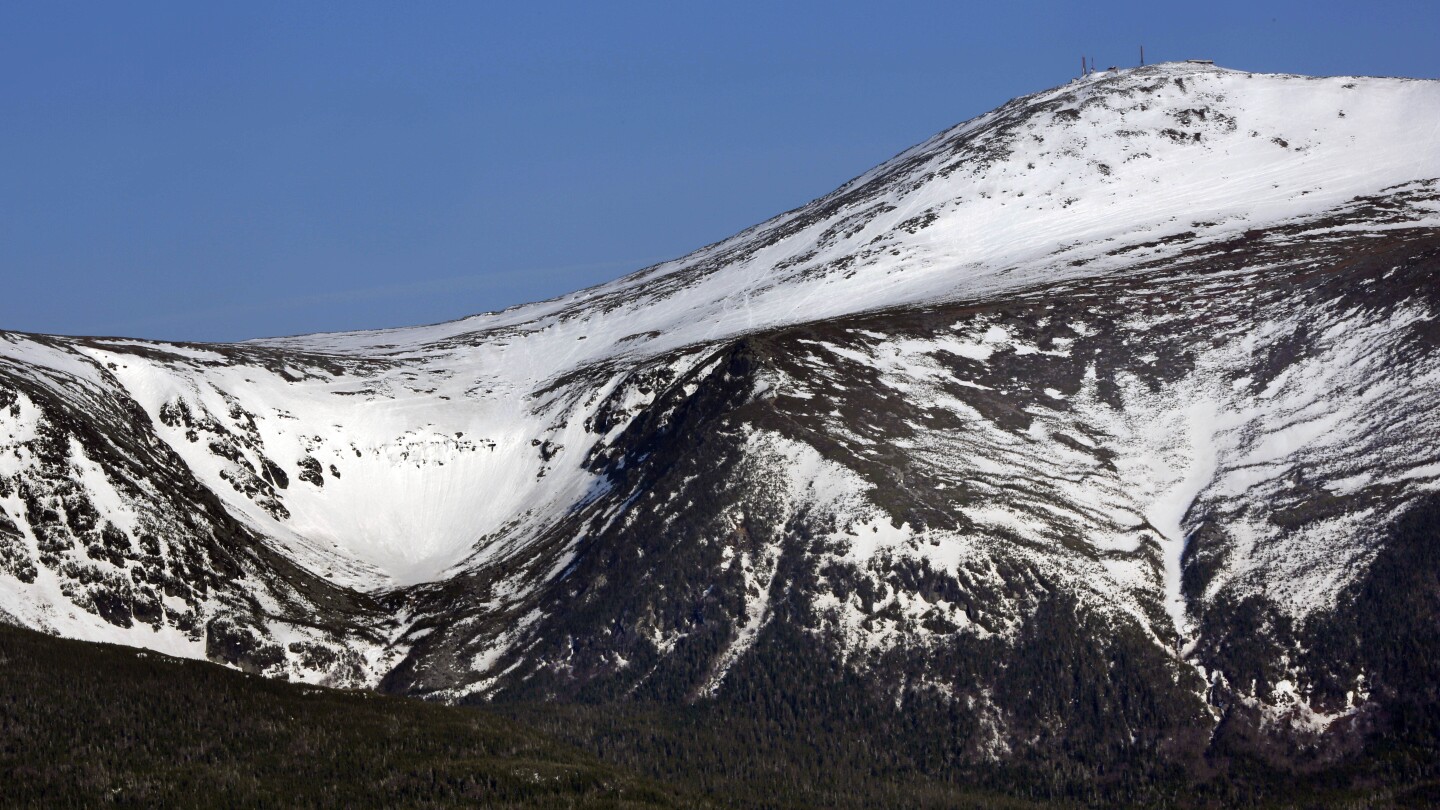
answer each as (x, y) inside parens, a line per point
(1122, 390)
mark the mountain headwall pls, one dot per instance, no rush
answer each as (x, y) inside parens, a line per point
(1095, 428)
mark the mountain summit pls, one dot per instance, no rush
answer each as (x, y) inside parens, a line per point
(1101, 422)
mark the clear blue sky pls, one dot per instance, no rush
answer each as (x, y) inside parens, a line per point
(208, 171)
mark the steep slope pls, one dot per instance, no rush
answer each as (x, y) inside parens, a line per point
(1078, 431)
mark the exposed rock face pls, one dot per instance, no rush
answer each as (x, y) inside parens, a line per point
(1098, 426)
